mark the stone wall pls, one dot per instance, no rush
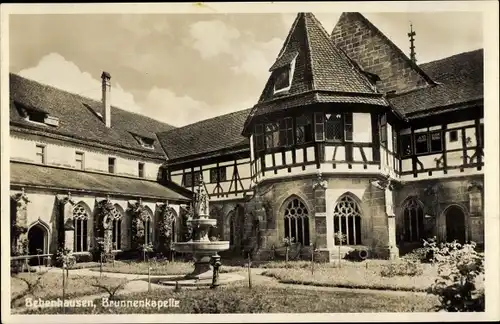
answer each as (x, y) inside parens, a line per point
(437, 196)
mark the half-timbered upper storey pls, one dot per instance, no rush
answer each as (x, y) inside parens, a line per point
(346, 102)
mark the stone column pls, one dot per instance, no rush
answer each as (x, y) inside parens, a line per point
(20, 223)
(322, 238)
(66, 207)
(391, 222)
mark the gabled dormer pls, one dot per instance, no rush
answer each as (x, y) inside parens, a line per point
(144, 141)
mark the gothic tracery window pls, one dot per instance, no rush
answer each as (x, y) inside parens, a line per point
(117, 229)
(148, 229)
(413, 219)
(296, 220)
(347, 220)
(80, 223)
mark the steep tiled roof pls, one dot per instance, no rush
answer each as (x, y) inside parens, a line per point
(77, 120)
(460, 80)
(375, 53)
(320, 66)
(24, 174)
(210, 135)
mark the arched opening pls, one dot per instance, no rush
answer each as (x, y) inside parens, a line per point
(455, 224)
(296, 221)
(347, 220)
(413, 221)
(148, 227)
(38, 236)
(80, 223)
(116, 236)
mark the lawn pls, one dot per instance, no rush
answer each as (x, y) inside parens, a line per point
(157, 267)
(50, 286)
(350, 275)
(261, 300)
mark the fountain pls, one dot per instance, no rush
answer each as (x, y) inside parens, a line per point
(199, 244)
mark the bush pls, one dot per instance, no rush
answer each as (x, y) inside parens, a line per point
(423, 254)
(402, 268)
(460, 282)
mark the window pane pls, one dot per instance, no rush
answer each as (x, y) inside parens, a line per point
(222, 174)
(213, 175)
(333, 127)
(406, 145)
(282, 78)
(421, 143)
(436, 142)
(383, 134)
(304, 129)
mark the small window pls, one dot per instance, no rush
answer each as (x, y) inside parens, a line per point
(348, 129)
(192, 178)
(394, 141)
(405, 141)
(286, 132)
(259, 137)
(111, 165)
(79, 157)
(141, 170)
(40, 154)
(453, 136)
(218, 174)
(272, 135)
(319, 126)
(333, 127)
(383, 134)
(421, 143)
(304, 133)
(282, 79)
(436, 142)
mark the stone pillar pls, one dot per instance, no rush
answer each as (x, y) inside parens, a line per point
(66, 207)
(20, 223)
(322, 238)
(391, 222)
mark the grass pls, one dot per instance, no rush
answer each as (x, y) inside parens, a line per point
(157, 268)
(352, 275)
(261, 300)
(50, 286)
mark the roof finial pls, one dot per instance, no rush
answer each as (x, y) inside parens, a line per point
(411, 34)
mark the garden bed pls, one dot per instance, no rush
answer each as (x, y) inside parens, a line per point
(352, 275)
(50, 286)
(261, 300)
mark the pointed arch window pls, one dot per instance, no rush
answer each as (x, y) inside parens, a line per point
(116, 229)
(347, 220)
(148, 229)
(413, 220)
(296, 219)
(80, 223)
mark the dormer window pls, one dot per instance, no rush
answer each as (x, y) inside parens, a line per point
(284, 76)
(37, 116)
(145, 142)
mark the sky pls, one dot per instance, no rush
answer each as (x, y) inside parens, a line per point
(182, 68)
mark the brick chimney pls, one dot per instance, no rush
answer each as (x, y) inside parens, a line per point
(106, 98)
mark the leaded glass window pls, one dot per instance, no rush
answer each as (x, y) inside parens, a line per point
(296, 222)
(347, 220)
(80, 222)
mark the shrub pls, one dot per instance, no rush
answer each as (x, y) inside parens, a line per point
(402, 268)
(423, 254)
(460, 282)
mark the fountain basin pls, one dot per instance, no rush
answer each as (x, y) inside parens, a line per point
(203, 222)
(201, 248)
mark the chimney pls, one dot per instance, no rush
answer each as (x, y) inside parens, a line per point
(106, 98)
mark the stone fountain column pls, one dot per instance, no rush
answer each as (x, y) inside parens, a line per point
(199, 244)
